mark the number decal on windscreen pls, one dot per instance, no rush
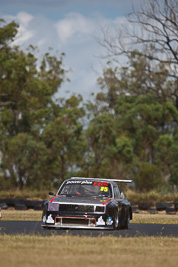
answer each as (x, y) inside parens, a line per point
(105, 189)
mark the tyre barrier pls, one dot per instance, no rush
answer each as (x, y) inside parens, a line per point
(3, 206)
(38, 207)
(30, 204)
(20, 207)
(176, 206)
(169, 208)
(10, 201)
(170, 211)
(19, 201)
(145, 205)
(21, 204)
(163, 206)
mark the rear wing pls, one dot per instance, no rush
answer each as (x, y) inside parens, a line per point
(104, 179)
(120, 181)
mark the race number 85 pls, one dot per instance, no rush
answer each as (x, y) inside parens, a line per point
(104, 189)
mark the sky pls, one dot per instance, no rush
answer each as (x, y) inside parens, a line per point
(72, 27)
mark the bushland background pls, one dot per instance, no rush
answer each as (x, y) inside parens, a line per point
(128, 131)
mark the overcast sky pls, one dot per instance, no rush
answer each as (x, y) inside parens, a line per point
(68, 26)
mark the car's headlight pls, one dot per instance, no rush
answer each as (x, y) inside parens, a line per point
(53, 206)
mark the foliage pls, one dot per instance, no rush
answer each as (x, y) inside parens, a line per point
(150, 35)
(28, 111)
(128, 130)
(65, 139)
(148, 177)
(100, 134)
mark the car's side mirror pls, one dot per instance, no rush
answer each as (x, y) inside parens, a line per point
(51, 193)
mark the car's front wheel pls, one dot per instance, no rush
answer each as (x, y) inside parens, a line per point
(127, 221)
(115, 220)
(124, 220)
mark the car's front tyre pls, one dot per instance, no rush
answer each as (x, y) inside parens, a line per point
(115, 220)
(127, 221)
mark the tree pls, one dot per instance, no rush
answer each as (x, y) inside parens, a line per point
(7, 33)
(149, 177)
(27, 89)
(134, 79)
(100, 134)
(166, 153)
(64, 138)
(152, 34)
(26, 159)
(143, 120)
(118, 159)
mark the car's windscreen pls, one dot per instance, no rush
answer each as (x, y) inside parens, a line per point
(86, 188)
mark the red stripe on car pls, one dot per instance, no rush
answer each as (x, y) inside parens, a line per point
(106, 201)
(52, 199)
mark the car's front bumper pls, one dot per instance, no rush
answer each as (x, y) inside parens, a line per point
(77, 222)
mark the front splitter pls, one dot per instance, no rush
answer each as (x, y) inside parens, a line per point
(77, 227)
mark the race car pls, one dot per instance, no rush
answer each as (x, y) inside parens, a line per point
(88, 203)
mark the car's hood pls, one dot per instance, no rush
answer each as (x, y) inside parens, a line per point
(79, 200)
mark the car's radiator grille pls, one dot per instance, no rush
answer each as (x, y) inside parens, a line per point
(76, 208)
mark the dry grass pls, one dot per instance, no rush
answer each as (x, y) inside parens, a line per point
(133, 196)
(31, 215)
(26, 194)
(73, 251)
(18, 215)
(161, 218)
(152, 196)
(27, 251)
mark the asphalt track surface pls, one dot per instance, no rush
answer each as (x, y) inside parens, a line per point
(135, 230)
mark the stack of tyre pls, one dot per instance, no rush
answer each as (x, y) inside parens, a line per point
(21, 204)
(168, 207)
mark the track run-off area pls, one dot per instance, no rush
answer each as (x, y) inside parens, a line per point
(135, 230)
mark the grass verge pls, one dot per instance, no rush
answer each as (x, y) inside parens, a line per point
(87, 251)
(31, 215)
(151, 197)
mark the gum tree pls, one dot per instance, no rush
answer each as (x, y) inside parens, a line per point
(27, 89)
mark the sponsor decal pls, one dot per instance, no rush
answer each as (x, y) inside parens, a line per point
(109, 221)
(100, 221)
(50, 219)
(79, 182)
(100, 184)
